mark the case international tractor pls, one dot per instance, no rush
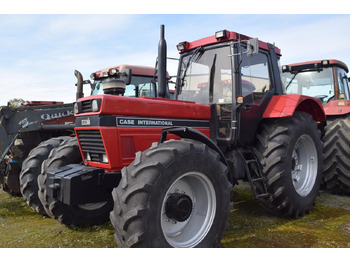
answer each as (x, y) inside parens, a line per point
(29, 133)
(163, 170)
(328, 81)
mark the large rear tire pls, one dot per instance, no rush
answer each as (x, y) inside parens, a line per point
(337, 155)
(31, 169)
(290, 153)
(175, 194)
(86, 215)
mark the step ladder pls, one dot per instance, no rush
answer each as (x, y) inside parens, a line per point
(254, 175)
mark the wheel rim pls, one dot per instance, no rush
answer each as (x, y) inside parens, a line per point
(194, 188)
(92, 206)
(304, 165)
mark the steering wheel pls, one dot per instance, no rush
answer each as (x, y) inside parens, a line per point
(321, 97)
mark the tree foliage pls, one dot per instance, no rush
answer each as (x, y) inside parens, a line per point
(15, 102)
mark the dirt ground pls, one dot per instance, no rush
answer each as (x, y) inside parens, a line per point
(328, 225)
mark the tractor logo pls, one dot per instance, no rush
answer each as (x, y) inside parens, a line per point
(53, 116)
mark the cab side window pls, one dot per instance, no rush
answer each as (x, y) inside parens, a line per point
(343, 84)
(255, 77)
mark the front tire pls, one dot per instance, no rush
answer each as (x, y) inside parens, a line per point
(31, 169)
(86, 215)
(290, 153)
(175, 194)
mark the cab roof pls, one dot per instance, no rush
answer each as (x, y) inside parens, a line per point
(323, 63)
(228, 36)
(135, 70)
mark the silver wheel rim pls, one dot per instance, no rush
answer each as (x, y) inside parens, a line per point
(92, 206)
(304, 165)
(190, 232)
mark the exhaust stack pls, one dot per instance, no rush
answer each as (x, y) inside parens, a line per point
(162, 53)
(79, 84)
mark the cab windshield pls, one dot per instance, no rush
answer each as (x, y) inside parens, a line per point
(139, 86)
(201, 71)
(317, 84)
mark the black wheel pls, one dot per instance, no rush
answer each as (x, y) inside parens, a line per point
(290, 152)
(175, 194)
(81, 215)
(31, 168)
(337, 155)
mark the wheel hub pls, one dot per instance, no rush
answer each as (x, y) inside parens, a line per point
(178, 207)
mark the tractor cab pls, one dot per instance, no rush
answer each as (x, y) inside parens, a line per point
(323, 79)
(233, 73)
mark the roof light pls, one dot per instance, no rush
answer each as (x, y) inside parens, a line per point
(182, 46)
(325, 62)
(285, 68)
(113, 71)
(219, 35)
(105, 74)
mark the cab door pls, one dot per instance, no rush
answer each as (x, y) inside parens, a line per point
(256, 88)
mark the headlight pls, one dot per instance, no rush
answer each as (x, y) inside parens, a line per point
(94, 106)
(76, 108)
(104, 158)
(87, 157)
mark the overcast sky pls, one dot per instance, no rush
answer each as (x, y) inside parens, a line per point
(39, 52)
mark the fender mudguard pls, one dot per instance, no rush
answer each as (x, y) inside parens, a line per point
(286, 105)
(188, 132)
(337, 107)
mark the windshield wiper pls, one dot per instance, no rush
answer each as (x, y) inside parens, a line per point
(295, 74)
(199, 50)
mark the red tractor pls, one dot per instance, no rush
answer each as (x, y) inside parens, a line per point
(164, 170)
(328, 81)
(139, 81)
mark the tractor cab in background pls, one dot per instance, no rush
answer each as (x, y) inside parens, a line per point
(327, 80)
(127, 80)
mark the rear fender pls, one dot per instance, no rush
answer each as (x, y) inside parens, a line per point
(337, 107)
(286, 105)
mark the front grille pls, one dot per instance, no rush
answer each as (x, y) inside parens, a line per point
(91, 142)
(86, 106)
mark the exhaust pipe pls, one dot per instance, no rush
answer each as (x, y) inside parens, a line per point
(79, 84)
(162, 53)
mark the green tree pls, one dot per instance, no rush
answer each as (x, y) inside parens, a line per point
(15, 102)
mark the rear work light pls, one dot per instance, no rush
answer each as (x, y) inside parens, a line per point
(182, 46)
(219, 35)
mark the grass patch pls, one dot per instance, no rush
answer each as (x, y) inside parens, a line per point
(328, 225)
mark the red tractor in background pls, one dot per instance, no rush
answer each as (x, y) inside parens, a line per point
(166, 168)
(328, 81)
(139, 81)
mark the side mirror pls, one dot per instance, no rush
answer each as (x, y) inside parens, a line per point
(125, 75)
(253, 47)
